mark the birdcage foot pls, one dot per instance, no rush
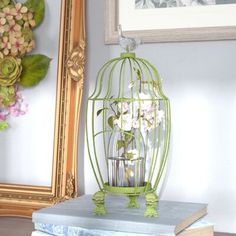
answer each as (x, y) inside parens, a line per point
(132, 202)
(151, 205)
(99, 201)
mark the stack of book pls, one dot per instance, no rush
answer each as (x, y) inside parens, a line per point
(75, 217)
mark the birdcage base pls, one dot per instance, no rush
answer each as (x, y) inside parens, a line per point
(129, 191)
(132, 193)
(99, 201)
(132, 202)
(151, 205)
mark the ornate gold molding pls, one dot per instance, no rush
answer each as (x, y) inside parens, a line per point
(76, 62)
(70, 186)
(57, 200)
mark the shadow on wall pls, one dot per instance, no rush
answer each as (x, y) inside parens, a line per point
(97, 53)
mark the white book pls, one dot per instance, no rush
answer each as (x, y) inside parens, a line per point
(200, 228)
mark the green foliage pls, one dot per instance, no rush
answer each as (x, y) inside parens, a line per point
(120, 144)
(4, 3)
(128, 136)
(100, 111)
(3, 125)
(138, 73)
(7, 96)
(111, 121)
(27, 34)
(10, 71)
(35, 68)
(156, 85)
(124, 143)
(38, 9)
(129, 156)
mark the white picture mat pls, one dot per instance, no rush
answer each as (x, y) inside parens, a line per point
(26, 149)
(175, 18)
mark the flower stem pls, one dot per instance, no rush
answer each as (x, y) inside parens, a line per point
(112, 109)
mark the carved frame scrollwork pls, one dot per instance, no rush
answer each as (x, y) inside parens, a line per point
(22, 200)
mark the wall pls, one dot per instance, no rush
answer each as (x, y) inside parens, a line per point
(199, 78)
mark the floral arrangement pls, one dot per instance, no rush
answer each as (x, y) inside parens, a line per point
(17, 68)
(133, 120)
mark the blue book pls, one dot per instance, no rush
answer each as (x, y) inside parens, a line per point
(75, 218)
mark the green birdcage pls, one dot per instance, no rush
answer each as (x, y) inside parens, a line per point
(128, 131)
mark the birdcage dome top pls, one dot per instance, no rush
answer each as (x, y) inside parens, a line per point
(128, 78)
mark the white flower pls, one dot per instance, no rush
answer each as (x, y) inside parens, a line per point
(132, 154)
(152, 119)
(124, 122)
(148, 125)
(123, 106)
(131, 85)
(145, 101)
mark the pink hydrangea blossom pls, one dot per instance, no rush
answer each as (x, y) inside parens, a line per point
(3, 114)
(19, 108)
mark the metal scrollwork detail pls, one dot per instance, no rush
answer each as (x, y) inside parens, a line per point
(76, 62)
(70, 186)
(57, 200)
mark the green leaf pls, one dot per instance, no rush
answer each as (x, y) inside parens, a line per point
(38, 9)
(138, 73)
(120, 144)
(111, 121)
(129, 156)
(4, 3)
(99, 111)
(3, 125)
(128, 136)
(35, 68)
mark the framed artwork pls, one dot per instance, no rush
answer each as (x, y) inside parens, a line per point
(38, 153)
(171, 20)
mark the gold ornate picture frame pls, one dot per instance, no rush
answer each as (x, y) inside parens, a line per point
(22, 200)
